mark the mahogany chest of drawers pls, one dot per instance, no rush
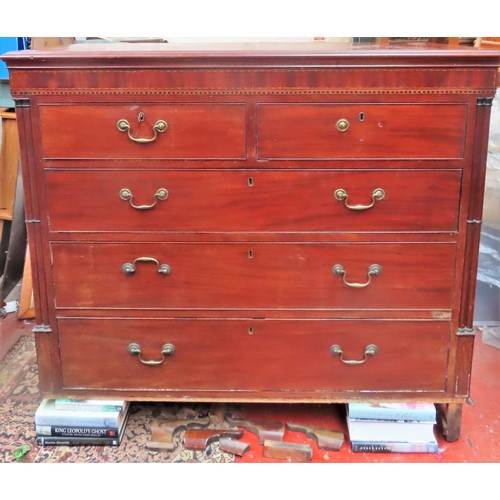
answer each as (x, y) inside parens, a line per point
(250, 223)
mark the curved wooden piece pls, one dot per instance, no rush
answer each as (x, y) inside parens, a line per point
(263, 429)
(199, 439)
(326, 439)
(163, 430)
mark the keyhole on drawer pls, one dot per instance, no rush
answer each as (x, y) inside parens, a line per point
(250, 254)
(361, 117)
(250, 330)
(140, 118)
(250, 181)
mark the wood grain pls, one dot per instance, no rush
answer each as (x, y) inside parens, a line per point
(291, 452)
(251, 229)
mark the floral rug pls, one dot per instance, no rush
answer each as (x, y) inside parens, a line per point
(20, 397)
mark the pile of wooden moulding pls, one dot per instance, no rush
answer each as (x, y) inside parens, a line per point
(199, 433)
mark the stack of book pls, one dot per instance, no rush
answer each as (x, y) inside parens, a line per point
(392, 427)
(70, 422)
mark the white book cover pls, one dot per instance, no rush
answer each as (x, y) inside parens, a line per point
(408, 432)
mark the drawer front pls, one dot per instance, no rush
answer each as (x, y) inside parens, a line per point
(367, 131)
(239, 355)
(190, 131)
(253, 275)
(253, 201)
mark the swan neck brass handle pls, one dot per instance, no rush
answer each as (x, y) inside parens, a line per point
(159, 127)
(166, 350)
(370, 350)
(377, 195)
(373, 270)
(128, 268)
(126, 195)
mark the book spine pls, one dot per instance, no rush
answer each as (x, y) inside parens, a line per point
(65, 431)
(381, 447)
(75, 441)
(77, 421)
(71, 406)
(393, 415)
(392, 420)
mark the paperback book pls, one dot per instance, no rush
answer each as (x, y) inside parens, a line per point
(48, 414)
(90, 440)
(422, 412)
(71, 431)
(392, 436)
(89, 404)
(82, 435)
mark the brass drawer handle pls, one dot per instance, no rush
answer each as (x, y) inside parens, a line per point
(377, 195)
(370, 350)
(159, 127)
(129, 268)
(166, 350)
(160, 195)
(373, 270)
(342, 125)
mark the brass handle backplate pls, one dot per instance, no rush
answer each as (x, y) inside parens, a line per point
(126, 195)
(377, 195)
(128, 268)
(342, 125)
(370, 350)
(373, 270)
(166, 350)
(159, 127)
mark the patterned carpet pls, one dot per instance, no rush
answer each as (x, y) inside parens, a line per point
(20, 397)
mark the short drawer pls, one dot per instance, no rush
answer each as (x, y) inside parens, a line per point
(247, 276)
(183, 131)
(179, 356)
(361, 131)
(253, 201)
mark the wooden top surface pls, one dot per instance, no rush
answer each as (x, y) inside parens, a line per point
(152, 54)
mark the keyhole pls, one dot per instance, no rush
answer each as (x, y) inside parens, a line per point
(361, 117)
(250, 181)
(140, 118)
(250, 330)
(250, 254)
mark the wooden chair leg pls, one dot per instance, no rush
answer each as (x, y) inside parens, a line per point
(449, 420)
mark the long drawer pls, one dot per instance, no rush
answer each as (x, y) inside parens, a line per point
(253, 275)
(260, 355)
(180, 131)
(253, 201)
(365, 130)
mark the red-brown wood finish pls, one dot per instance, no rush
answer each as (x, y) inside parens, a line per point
(192, 131)
(253, 201)
(250, 161)
(374, 131)
(253, 276)
(253, 355)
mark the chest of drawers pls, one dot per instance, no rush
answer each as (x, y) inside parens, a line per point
(255, 223)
